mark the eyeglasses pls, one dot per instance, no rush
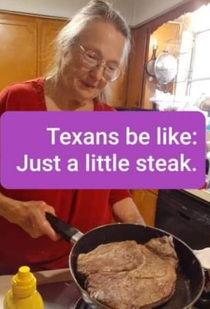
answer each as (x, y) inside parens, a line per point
(91, 61)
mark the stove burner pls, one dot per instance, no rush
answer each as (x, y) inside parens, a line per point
(82, 305)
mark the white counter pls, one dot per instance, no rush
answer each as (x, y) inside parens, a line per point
(203, 194)
(43, 277)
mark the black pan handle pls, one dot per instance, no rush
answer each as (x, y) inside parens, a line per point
(66, 231)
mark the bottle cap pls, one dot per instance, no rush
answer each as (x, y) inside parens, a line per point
(23, 283)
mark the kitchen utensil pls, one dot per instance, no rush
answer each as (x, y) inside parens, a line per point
(165, 68)
(150, 66)
(190, 276)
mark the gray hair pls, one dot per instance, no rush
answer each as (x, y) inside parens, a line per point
(95, 9)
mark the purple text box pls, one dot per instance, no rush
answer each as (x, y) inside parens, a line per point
(117, 150)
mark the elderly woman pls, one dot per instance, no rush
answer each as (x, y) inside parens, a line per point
(90, 50)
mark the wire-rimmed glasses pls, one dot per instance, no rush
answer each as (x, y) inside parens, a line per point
(91, 61)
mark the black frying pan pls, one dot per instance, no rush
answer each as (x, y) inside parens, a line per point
(190, 275)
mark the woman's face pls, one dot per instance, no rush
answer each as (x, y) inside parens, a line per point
(98, 38)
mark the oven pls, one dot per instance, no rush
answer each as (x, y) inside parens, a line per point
(187, 217)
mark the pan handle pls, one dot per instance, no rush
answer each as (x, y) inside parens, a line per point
(66, 231)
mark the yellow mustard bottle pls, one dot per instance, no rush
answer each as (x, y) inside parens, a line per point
(23, 293)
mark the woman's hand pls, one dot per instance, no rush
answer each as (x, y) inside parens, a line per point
(33, 221)
(30, 216)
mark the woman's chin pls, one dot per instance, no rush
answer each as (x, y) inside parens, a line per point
(86, 95)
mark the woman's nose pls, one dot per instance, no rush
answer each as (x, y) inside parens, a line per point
(97, 72)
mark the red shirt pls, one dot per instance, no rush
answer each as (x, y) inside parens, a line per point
(83, 209)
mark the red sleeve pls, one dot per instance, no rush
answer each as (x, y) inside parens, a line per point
(4, 100)
(118, 195)
(23, 96)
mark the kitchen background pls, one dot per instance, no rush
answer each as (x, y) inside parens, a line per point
(169, 66)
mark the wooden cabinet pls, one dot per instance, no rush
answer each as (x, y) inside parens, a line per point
(25, 46)
(18, 49)
(146, 201)
(140, 37)
(48, 31)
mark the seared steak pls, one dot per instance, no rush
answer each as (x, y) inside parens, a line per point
(164, 247)
(113, 257)
(125, 275)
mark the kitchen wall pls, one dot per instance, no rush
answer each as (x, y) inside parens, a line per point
(135, 11)
(144, 10)
(62, 8)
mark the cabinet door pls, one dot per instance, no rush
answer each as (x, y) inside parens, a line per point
(140, 37)
(18, 49)
(146, 201)
(48, 31)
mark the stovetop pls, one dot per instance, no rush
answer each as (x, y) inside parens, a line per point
(82, 305)
(59, 295)
(63, 295)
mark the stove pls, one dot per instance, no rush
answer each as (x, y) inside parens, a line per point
(59, 295)
(64, 295)
(82, 305)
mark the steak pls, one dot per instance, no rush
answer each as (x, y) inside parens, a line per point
(127, 275)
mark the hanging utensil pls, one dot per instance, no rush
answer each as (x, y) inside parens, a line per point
(150, 66)
(165, 68)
